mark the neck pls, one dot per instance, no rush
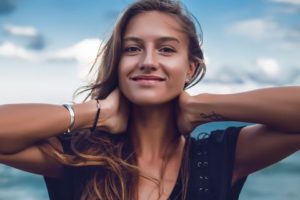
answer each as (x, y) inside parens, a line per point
(153, 129)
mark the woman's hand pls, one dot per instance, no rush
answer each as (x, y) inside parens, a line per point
(191, 112)
(185, 122)
(114, 112)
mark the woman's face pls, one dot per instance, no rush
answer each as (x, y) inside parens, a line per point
(154, 65)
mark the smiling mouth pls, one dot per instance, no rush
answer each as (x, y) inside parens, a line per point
(147, 78)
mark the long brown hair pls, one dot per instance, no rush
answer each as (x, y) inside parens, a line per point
(113, 159)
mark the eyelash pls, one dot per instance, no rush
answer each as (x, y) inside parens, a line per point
(169, 50)
(133, 49)
(127, 49)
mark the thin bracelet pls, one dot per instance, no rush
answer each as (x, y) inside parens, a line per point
(70, 108)
(97, 116)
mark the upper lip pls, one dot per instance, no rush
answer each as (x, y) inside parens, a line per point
(147, 77)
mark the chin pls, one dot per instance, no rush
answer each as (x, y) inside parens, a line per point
(149, 99)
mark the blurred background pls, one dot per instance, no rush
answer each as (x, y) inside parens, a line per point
(48, 46)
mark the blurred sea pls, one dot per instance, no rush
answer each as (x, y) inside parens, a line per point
(280, 181)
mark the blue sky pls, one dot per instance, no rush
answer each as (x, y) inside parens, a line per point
(47, 46)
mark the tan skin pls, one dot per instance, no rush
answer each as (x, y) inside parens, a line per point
(275, 135)
(162, 53)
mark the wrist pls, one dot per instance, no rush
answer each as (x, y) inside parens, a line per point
(70, 109)
(200, 103)
(207, 108)
(84, 114)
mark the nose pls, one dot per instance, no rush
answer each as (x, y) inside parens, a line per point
(148, 61)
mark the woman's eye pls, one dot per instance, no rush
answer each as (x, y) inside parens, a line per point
(131, 49)
(167, 50)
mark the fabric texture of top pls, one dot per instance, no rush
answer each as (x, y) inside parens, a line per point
(211, 163)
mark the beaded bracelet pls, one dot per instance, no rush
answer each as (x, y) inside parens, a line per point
(70, 108)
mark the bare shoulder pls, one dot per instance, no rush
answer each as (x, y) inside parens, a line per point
(34, 160)
(259, 146)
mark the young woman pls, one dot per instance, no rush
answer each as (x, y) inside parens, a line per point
(131, 140)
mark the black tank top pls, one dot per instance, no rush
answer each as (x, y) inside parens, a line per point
(211, 162)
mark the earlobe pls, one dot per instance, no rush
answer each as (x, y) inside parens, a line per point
(187, 80)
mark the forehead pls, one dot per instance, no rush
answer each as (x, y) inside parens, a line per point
(153, 25)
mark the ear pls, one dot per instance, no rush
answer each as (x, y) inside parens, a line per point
(191, 70)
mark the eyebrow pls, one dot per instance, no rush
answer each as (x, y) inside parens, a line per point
(159, 40)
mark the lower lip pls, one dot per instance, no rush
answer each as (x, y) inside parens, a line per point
(145, 82)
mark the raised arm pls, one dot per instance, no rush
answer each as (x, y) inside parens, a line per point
(275, 111)
(275, 107)
(21, 125)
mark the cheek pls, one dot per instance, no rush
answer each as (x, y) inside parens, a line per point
(124, 70)
(177, 74)
(176, 84)
(126, 66)
(121, 76)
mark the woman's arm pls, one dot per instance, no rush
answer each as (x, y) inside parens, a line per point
(276, 112)
(259, 146)
(278, 108)
(32, 159)
(21, 125)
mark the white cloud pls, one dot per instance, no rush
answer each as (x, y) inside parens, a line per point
(268, 32)
(83, 53)
(293, 2)
(270, 71)
(287, 6)
(25, 31)
(263, 72)
(269, 66)
(9, 49)
(255, 28)
(32, 36)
